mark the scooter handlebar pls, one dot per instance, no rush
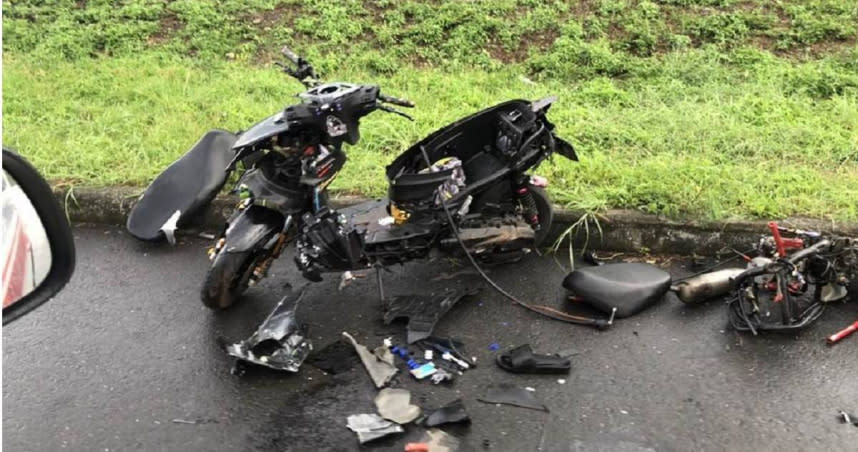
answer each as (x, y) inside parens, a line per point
(395, 101)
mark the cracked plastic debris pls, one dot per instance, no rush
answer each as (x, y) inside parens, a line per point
(423, 311)
(453, 412)
(279, 342)
(441, 376)
(512, 395)
(371, 426)
(847, 418)
(380, 368)
(395, 405)
(440, 441)
(424, 371)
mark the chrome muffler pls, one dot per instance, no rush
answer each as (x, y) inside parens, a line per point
(706, 286)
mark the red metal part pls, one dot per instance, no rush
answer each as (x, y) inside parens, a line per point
(784, 243)
(836, 337)
(776, 233)
(793, 243)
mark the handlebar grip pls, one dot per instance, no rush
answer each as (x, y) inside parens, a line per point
(396, 101)
(290, 55)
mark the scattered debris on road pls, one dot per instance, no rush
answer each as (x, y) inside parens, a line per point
(395, 405)
(522, 360)
(451, 413)
(840, 335)
(370, 427)
(335, 358)
(507, 394)
(279, 342)
(847, 418)
(380, 368)
(423, 311)
(439, 441)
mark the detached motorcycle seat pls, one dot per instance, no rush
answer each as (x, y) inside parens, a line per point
(629, 287)
(185, 187)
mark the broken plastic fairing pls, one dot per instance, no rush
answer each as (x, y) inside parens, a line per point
(279, 342)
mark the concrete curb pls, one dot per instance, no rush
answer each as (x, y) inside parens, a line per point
(621, 230)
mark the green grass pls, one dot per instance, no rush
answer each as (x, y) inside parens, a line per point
(713, 108)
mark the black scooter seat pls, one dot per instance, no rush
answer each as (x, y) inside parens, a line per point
(629, 287)
(185, 187)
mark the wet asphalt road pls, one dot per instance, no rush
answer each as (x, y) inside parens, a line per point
(127, 348)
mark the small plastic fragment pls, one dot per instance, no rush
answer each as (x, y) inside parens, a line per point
(494, 346)
(427, 355)
(512, 395)
(416, 447)
(453, 412)
(380, 369)
(424, 371)
(335, 358)
(440, 441)
(441, 376)
(847, 418)
(395, 405)
(447, 356)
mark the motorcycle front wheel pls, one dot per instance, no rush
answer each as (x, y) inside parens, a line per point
(227, 278)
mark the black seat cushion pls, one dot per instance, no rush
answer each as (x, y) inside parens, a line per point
(630, 287)
(186, 186)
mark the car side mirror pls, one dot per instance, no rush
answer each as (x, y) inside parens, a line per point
(36, 245)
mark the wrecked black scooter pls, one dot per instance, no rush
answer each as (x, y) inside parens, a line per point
(465, 184)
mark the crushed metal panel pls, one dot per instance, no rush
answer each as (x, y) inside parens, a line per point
(423, 311)
(370, 427)
(279, 342)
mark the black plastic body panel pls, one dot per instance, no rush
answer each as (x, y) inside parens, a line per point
(462, 139)
(251, 228)
(474, 141)
(269, 127)
(296, 199)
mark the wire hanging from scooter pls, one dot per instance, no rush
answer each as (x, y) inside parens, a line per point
(546, 311)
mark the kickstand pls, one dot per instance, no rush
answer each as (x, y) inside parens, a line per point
(380, 287)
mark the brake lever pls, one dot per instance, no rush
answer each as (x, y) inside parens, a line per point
(395, 111)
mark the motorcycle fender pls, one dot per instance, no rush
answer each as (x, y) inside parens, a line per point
(565, 149)
(251, 229)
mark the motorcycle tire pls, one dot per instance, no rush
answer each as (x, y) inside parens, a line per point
(546, 215)
(227, 278)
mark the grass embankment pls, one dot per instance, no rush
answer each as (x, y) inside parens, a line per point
(715, 108)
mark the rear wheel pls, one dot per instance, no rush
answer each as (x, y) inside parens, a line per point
(546, 215)
(227, 278)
